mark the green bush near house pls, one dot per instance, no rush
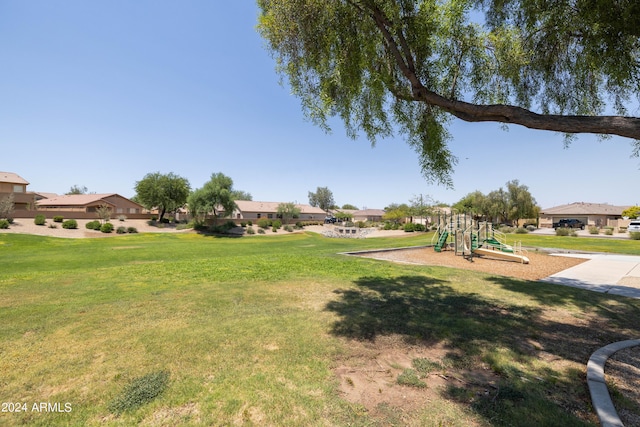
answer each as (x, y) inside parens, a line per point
(70, 224)
(93, 225)
(132, 230)
(121, 230)
(409, 227)
(4, 224)
(521, 230)
(593, 229)
(562, 231)
(107, 227)
(58, 218)
(634, 235)
(264, 223)
(39, 219)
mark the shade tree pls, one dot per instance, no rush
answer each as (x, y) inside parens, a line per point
(412, 66)
(165, 192)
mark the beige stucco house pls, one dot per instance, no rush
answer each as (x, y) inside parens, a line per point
(13, 184)
(253, 210)
(595, 214)
(79, 205)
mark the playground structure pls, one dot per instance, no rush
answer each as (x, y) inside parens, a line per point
(469, 238)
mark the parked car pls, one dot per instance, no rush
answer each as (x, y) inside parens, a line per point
(569, 223)
(330, 219)
(634, 225)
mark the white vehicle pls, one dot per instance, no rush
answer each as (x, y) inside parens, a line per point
(634, 225)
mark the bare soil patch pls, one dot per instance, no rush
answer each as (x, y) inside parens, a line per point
(540, 265)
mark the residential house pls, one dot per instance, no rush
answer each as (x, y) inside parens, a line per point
(371, 215)
(86, 205)
(12, 184)
(250, 210)
(592, 214)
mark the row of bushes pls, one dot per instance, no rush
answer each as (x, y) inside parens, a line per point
(107, 227)
(71, 224)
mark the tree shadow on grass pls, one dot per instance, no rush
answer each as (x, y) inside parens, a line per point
(513, 338)
(423, 308)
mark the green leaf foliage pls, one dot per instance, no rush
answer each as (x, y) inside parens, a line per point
(407, 67)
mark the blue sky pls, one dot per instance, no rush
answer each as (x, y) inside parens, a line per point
(98, 94)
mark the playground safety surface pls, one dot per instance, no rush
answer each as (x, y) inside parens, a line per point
(540, 265)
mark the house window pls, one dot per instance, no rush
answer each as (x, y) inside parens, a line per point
(259, 216)
(120, 210)
(133, 210)
(18, 189)
(269, 216)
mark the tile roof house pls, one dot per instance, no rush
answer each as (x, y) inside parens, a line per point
(372, 215)
(252, 210)
(13, 184)
(89, 203)
(597, 214)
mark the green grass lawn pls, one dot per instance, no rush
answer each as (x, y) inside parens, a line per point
(160, 329)
(592, 244)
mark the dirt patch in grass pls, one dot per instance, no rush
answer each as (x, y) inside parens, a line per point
(369, 377)
(540, 265)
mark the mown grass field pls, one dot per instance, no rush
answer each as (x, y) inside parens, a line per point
(248, 331)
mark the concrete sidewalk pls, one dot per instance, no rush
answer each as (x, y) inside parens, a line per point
(613, 274)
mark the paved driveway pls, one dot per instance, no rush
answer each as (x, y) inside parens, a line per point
(613, 274)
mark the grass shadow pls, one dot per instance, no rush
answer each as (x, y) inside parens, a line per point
(539, 358)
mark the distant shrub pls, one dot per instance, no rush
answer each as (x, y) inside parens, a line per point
(261, 231)
(58, 218)
(250, 230)
(521, 230)
(506, 229)
(121, 230)
(609, 231)
(634, 235)
(362, 224)
(4, 224)
(418, 227)
(409, 227)
(107, 227)
(249, 223)
(53, 225)
(274, 229)
(93, 225)
(288, 228)
(70, 224)
(593, 229)
(530, 228)
(277, 224)
(562, 231)
(243, 224)
(132, 230)
(264, 223)
(39, 219)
